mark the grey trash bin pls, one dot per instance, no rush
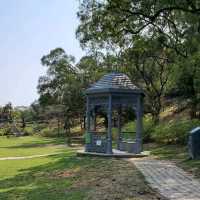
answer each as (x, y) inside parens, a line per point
(194, 143)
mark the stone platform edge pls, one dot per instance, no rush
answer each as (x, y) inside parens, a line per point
(114, 155)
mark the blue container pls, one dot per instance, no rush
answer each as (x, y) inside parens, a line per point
(194, 143)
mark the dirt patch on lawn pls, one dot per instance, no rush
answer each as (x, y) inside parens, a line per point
(64, 173)
(113, 179)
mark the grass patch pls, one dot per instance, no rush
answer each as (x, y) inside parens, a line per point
(37, 178)
(29, 145)
(66, 176)
(70, 177)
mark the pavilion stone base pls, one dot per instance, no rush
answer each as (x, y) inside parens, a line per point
(116, 154)
(99, 144)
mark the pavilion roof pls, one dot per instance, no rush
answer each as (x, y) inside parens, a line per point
(116, 82)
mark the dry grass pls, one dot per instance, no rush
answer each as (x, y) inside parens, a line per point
(113, 179)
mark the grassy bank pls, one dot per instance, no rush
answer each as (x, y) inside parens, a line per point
(176, 153)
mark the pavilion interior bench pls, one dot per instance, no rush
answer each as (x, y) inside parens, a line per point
(128, 145)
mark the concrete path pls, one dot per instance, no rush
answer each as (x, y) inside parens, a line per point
(27, 157)
(169, 180)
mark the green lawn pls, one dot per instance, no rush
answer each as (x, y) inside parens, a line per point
(26, 146)
(29, 179)
(65, 176)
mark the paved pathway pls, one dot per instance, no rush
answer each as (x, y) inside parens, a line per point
(169, 180)
(27, 157)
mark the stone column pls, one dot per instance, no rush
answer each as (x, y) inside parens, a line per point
(109, 134)
(139, 124)
(87, 145)
(119, 139)
(94, 119)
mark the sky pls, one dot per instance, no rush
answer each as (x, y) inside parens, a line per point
(29, 29)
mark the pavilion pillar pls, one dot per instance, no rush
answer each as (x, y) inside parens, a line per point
(119, 128)
(139, 124)
(94, 119)
(109, 133)
(88, 134)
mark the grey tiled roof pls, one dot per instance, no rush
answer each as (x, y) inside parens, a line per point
(113, 81)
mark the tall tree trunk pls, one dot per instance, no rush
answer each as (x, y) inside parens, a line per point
(156, 109)
(156, 118)
(58, 121)
(193, 108)
(68, 132)
(84, 122)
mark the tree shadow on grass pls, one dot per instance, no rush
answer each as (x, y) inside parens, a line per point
(47, 181)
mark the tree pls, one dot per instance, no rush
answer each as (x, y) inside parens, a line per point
(6, 113)
(172, 26)
(60, 71)
(121, 22)
(149, 65)
(28, 115)
(61, 87)
(187, 83)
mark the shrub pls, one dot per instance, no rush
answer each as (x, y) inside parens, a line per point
(37, 127)
(148, 128)
(46, 132)
(174, 132)
(5, 130)
(51, 132)
(129, 127)
(2, 132)
(28, 130)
